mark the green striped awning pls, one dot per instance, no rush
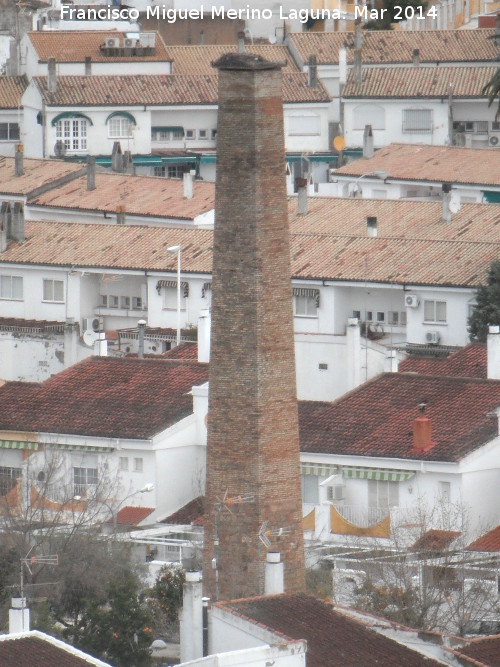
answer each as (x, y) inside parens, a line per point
(382, 475)
(18, 444)
(79, 448)
(319, 469)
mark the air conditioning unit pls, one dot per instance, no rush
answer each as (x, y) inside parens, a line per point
(411, 301)
(129, 43)
(92, 324)
(336, 493)
(493, 140)
(147, 39)
(432, 337)
(112, 43)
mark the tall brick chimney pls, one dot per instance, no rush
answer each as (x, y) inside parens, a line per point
(253, 470)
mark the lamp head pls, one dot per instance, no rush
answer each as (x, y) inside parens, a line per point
(174, 248)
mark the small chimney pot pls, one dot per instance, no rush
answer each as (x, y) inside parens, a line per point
(88, 65)
(52, 76)
(372, 226)
(422, 434)
(90, 172)
(120, 214)
(19, 160)
(416, 57)
(241, 42)
(312, 78)
(301, 184)
(368, 148)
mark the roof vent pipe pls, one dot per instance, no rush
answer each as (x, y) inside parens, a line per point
(19, 616)
(51, 76)
(241, 42)
(191, 618)
(90, 172)
(88, 65)
(416, 57)
(141, 326)
(274, 574)
(19, 160)
(446, 198)
(371, 226)
(312, 72)
(120, 214)
(117, 158)
(368, 150)
(301, 184)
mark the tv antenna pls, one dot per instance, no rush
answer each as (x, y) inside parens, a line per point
(268, 535)
(29, 561)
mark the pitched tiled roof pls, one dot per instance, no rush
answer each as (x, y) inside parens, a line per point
(441, 164)
(191, 513)
(392, 46)
(435, 540)
(104, 396)
(159, 90)
(141, 195)
(34, 649)
(196, 59)
(37, 173)
(377, 418)
(333, 639)
(490, 541)
(133, 516)
(313, 256)
(480, 652)
(470, 361)
(11, 90)
(182, 351)
(419, 82)
(72, 46)
(18, 324)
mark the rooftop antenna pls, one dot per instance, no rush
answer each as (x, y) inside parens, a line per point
(267, 534)
(28, 561)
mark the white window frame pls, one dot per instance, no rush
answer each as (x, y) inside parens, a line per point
(383, 494)
(83, 480)
(170, 298)
(304, 125)
(123, 463)
(190, 135)
(310, 489)
(125, 302)
(120, 127)
(138, 464)
(203, 135)
(113, 301)
(368, 114)
(73, 133)
(431, 311)
(13, 131)
(305, 305)
(417, 121)
(137, 303)
(50, 287)
(11, 288)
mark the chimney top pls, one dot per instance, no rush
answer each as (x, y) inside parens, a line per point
(422, 431)
(416, 56)
(244, 61)
(371, 226)
(19, 160)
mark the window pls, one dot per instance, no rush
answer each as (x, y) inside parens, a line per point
(137, 303)
(11, 287)
(402, 318)
(368, 114)
(190, 135)
(310, 492)
(380, 316)
(304, 125)
(305, 306)
(125, 302)
(138, 465)
(123, 463)
(103, 300)
(53, 290)
(393, 317)
(9, 131)
(481, 127)
(435, 311)
(356, 314)
(369, 316)
(73, 133)
(83, 480)
(383, 494)
(417, 120)
(119, 127)
(169, 171)
(113, 301)
(170, 298)
(8, 478)
(444, 491)
(495, 125)
(202, 134)
(214, 135)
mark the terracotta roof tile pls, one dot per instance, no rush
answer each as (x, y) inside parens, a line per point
(159, 90)
(18, 324)
(419, 82)
(441, 164)
(392, 46)
(11, 90)
(480, 652)
(313, 255)
(141, 195)
(182, 351)
(490, 541)
(333, 639)
(198, 59)
(133, 516)
(435, 540)
(36, 651)
(191, 513)
(37, 173)
(457, 407)
(104, 396)
(72, 46)
(470, 361)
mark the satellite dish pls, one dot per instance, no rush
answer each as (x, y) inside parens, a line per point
(90, 337)
(339, 143)
(455, 202)
(59, 149)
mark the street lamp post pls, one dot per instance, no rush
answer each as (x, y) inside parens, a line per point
(147, 488)
(177, 249)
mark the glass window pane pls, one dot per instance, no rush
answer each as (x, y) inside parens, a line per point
(440, 311)
(429, 311)
(17, 287)
(48, 290)
(58, 290)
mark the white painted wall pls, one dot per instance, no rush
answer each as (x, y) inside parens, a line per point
(7, 147)
(314, 122)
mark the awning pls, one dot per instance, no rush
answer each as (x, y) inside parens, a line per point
(70, 114)
(306, 291)
(173, 283)
(208, 159)
(312, 157)
(78, 448)
(18, 444)
(123, 114)
(207, 287)
(167, 128)
(318, 469)
(491, 196)
(382, 475)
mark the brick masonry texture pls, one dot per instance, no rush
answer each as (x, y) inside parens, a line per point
(253, 445)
